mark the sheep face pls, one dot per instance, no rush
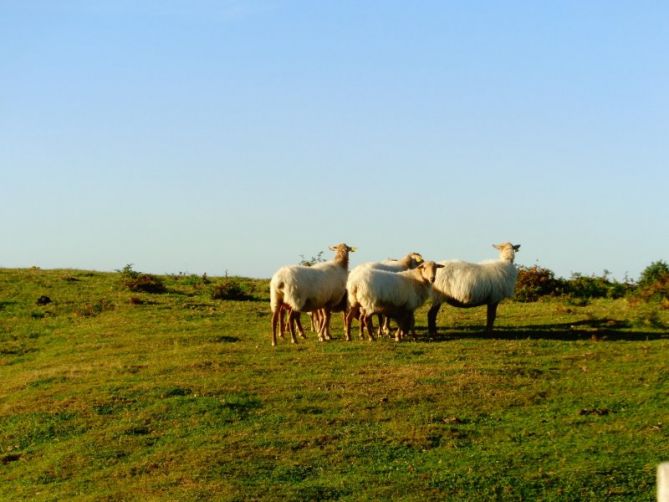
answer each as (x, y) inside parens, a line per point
(341, 253)
(343, 248)
(428, 271)
(507, 251)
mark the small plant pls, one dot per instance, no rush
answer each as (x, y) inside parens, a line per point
(139, 282)
(313, 260)
(230, 289)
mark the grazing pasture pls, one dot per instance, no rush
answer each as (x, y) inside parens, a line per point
(112, 394)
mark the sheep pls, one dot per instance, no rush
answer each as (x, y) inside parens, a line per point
(411, 260)
(462, 284)
(394, 294)
(307, 289)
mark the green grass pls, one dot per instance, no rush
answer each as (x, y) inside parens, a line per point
(108, 394)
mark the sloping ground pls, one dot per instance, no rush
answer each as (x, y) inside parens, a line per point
(109, 394)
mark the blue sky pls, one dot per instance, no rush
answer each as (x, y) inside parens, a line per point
(213, 136)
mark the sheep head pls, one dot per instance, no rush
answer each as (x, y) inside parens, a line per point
(341, 248)
(415, 259)
(410, 261)
(341, 253)
(507, 251)
(428, 270)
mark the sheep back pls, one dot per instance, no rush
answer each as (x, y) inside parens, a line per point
(472, 284)
(305, 289)
(380, 291)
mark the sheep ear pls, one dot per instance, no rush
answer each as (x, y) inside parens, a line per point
(439, 265)
(516, 247)
(496, 246)
(352, 249)
(332, 248)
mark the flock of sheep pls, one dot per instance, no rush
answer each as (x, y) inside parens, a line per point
(390, 289)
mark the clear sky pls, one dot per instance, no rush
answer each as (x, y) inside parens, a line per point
(211, 136)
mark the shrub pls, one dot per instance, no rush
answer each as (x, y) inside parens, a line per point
(581, 286)
(658, 271)
(230, 289)
(139, 282)
(654, 283)
(535, 281)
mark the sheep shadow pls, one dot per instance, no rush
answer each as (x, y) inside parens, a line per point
(599, 330)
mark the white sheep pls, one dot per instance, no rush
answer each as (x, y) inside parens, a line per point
(394, 294)
(463, 284)
(410, 261)
(307, 289)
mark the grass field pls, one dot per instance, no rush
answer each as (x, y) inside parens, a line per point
(108, 394)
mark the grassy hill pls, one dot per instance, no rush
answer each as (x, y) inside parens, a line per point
(113, 394)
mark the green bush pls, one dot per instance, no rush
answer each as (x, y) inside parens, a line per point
(654, 283)
(230, 289)
(581, 286)
(139, 282)
(535, 281)
(658, 271)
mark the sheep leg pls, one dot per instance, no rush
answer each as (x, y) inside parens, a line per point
(283, 321)
(413, 326)
(432, 319)
(363, 323)
(315, 321)
(324, 333)
(369, 324)
(492, 313)
(298, 324)
(348, 318)
(386, 325)
(275, 321)
(403, 326)
(291, 323)
(382, 321)
(321, 313)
